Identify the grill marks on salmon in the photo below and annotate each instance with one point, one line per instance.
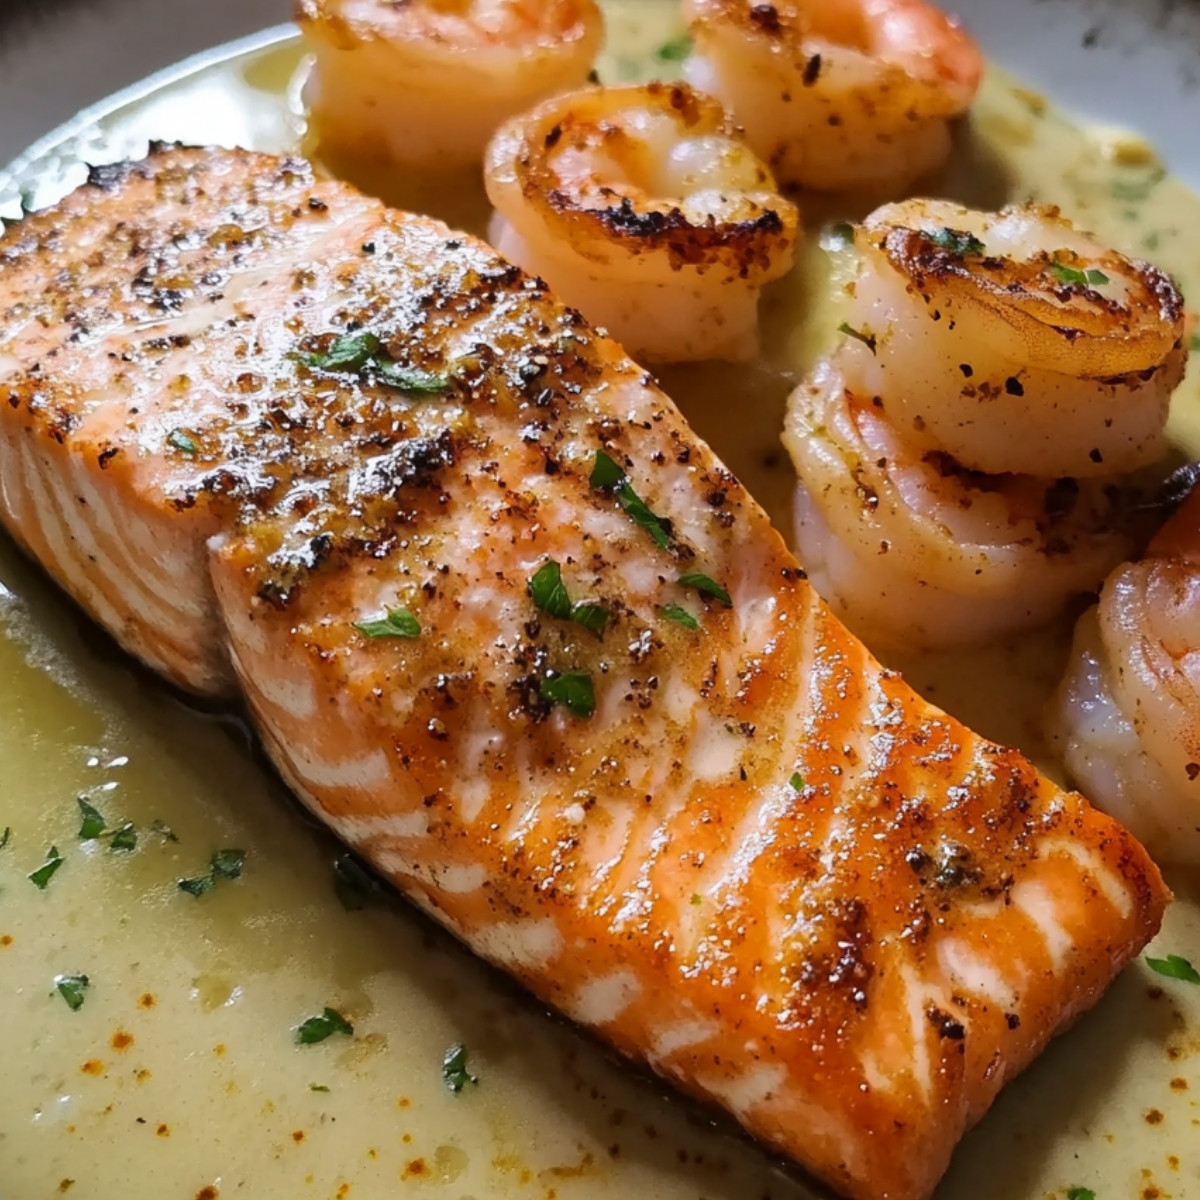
(763, 866)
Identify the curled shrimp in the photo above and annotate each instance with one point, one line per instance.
(911, 549)
(426, 82)
(1127, 714)
(1013, 341)
(644, 208)
(837, 94)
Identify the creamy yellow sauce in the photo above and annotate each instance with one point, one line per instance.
(178, 1076)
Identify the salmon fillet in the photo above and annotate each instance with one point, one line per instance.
(513, 631)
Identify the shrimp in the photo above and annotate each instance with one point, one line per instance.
(1013, 341)
(911, 549)
(1127, 714)
(644, 208)
(837, 94)
(425, 83)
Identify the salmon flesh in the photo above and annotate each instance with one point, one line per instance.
(512, 630)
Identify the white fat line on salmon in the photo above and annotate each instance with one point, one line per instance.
(1108, 884)
(529, 944)
(1035, 899)
(51, 522)
(603, 1001)
(970, 973)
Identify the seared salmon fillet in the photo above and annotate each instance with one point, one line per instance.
(513, 631)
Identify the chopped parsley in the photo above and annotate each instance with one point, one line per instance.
(797, 781)
(550, 594)
(6, 836)
(1193, 345)
(93, 823)
(958, 242)
(868, 339)
(1072, 276)
(183, 442)
(454, 1068)
(396, 622)
(592, 616)
(681, 616)
(676, 50)
(317, 1029)
(93, 827)
(1174, 967)
(697, 899)
(548, 590)
(605, 473)
(608, 477)
(709, 587)
(72, 988)
(363, 353)
(224, 864)
(353, 883)
(1080, 1193)
(124, 837)
(317, 1087)
(45, 872)
(574, 689)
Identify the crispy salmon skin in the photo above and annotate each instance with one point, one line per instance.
(514, 632)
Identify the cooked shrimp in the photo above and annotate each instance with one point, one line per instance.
(645, 209)
(1128, 712)
(837, 94)
(426, 82)
(910, 548)
(1012, 340)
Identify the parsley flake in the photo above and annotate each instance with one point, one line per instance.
(676, 50)
(868, 339)
(363, 353)
(396, 622)
(607, 476)
(550, 594)
(574, 689)
(317, 1087)
(317, 1029)
(6, 836)
(45, 872)
(697, 899)
(1080, 1193)
(1076, 278)
(72, 988)
(592, 616)
(454, 1068)
(1194, 343)
(681, 616)
(797, 781)
(709, 587)
(224, 864)
(183, 442)
(93, 825)
(958, 242)
(1174, 967)
(124, 837)
(548, 590)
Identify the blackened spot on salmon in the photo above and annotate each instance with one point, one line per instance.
(766, 17)
(947, 1027)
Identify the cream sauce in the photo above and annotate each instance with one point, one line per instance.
(178, 1076)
